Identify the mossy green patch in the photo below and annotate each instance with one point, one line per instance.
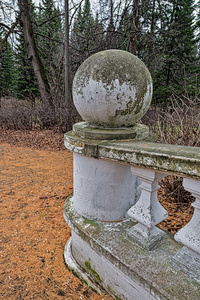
(92, 271)
(113, 294)
(93, 290)
(92, 223)
(70, 213)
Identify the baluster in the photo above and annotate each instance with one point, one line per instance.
(188, 258)
(147, 211)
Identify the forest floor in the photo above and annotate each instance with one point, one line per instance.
(36, 178)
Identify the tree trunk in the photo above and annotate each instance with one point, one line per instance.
(153, 19)
(67, 73)
(151, 51)
(33, 54)
(135, 25)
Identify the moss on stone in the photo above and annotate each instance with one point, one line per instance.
(112, 293)
(83, 134)
(92, 271)
(92, 223)
(67, 205)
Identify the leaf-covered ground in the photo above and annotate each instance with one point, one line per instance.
(36, 178)
(33, 187)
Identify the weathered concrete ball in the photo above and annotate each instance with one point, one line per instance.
(112, 88)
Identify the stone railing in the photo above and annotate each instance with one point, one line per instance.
(114, 209)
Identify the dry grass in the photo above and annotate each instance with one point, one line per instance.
(26, 115)
(178, 123)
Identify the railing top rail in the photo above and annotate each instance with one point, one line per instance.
(182, 160)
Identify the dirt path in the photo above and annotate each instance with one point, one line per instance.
(33, 187)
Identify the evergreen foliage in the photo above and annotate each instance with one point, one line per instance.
(49, 34)
(8, 72)
(177, 44)
(26, 82)
(87, 35)
(83, 30)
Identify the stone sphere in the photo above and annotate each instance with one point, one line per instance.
(112, 88)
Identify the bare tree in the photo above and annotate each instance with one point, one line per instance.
(134, 27)
(67, 73)
(25, 22)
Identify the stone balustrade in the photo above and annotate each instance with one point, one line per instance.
(114, 210)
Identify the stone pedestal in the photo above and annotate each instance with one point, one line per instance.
(188, 258)
(112, 90)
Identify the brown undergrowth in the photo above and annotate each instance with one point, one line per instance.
(36, 178)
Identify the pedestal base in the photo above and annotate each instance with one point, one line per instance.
(103, 253)
(145, 237)
(100, 271)
(188, 261)
(78, 270)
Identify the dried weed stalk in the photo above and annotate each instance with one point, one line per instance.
(179, 123)
(28, 115)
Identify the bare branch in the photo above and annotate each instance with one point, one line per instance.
(47, 37)
(49, 19)
(4, 25)
(10, 30)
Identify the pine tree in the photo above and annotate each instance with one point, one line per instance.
(76, 38)
(149, 34)
(87, 29)
(27, 87)
(99, 38)
(197, 27)
(7, 72)
(137, 29)
(177, 43)
(111, 36)
(84, 38)
(50, 38)
(124, 29)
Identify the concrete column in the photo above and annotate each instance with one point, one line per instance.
(103, 190)
(147, 211)
(189, 235)
(188, 258)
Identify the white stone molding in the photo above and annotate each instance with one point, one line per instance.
(188, 258)
(189, 235)
(148, 212)
(103, 190)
